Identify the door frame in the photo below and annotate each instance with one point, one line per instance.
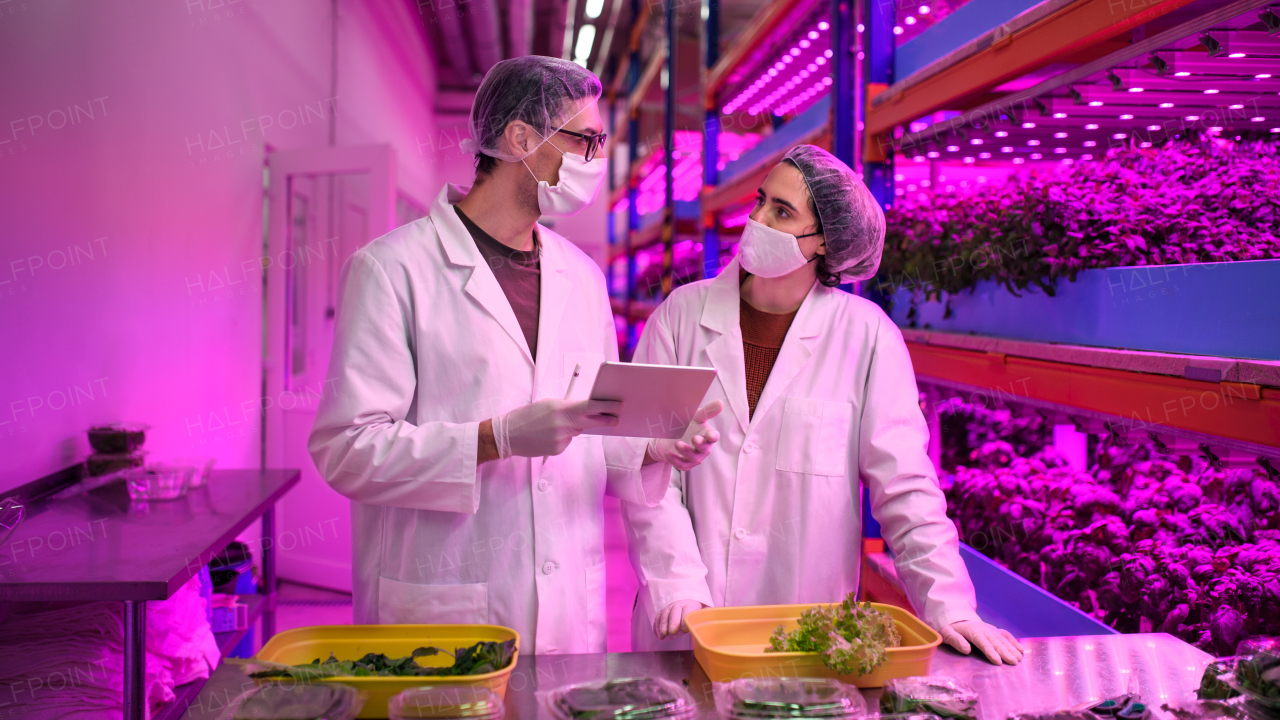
(376, 160)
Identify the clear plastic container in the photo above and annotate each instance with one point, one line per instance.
(621, 699)
(788, 697)
(446, 702)
(108, 463)
(201, 467)
(936, 694)
(158, 482)
(330, 701)
(1258, 671)
(117, 437)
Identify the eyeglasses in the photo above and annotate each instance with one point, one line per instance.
(594, 142)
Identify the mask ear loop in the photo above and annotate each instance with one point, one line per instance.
(815, 255)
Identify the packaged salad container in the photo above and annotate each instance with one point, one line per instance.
(446, 702)
(753, 698)
(621, 699)
(295, 702)
(942, 696)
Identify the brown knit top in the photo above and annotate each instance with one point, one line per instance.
(762, 336)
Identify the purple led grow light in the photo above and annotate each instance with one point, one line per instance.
(806, 46)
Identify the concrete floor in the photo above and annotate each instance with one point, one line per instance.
(302, 605)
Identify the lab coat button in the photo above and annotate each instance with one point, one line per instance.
(548, 567)
(544, 485)
(740, 533)
(748, 448)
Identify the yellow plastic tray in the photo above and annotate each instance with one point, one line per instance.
(351, 642)
(730, 643)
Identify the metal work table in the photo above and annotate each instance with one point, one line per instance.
(1059, 672)
(102, 546)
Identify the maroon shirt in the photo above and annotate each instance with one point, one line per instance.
(519, 276)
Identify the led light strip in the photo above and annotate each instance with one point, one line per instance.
(778, 66)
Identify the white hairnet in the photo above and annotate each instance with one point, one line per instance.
(544, 92)
(852, 221)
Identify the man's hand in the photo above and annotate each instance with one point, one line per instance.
(995, 643)
(546, 427)
(694, 446)
(670, 622)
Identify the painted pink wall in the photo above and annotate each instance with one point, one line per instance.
(126, 232)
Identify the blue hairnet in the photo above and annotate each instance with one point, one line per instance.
(852, 221)
(544, 92)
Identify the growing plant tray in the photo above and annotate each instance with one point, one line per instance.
(729, 643)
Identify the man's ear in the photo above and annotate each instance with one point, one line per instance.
(519, 137)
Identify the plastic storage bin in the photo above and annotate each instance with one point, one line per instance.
(729, 643)
(349, 642)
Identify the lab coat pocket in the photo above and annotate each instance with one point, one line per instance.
(815, 436)
(597, 630)
(586, 377)
(401, 603)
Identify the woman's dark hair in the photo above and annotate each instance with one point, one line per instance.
(825, 276)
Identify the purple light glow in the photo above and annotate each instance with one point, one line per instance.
(813, 34)
(824, 25)
(1095, 103)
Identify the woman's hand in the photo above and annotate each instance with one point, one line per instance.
(670, 622)
(998, 645)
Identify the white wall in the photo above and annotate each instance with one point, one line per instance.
(124, 228)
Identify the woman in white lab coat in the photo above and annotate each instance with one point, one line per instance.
(773, 515)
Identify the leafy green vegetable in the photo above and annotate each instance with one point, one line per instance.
(483, 657)
(851, 637)
(1211, 685)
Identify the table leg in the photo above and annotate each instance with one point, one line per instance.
(269, 573)
(135, 659)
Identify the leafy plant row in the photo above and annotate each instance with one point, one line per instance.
(1140, 541)
(1185, 202)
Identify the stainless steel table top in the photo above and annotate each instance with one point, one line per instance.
(101, 546)
(1059, 672)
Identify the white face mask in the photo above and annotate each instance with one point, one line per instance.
(580, 183)
(769, 253)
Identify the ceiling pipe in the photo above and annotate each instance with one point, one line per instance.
(520, 27)
(486, 34)
(455, 45)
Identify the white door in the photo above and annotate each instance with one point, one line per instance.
(323, 205)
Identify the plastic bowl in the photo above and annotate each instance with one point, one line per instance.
(201, 467)
(158, 482)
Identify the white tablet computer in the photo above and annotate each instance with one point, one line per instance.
(658, 401)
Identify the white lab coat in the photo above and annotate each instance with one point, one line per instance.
(773, 515)
(426, 347)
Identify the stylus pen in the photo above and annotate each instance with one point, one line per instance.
(569, 390)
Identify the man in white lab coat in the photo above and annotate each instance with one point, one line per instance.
(475, 497)
(821, 395)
